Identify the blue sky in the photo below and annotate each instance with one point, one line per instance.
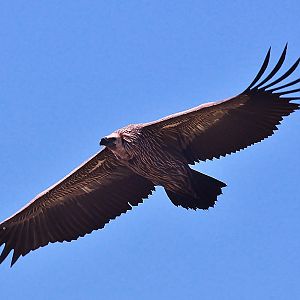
(74, 71)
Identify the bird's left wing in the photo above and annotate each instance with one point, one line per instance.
(89, 197)
(215, 129)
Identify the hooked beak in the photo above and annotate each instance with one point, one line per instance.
(107, 141)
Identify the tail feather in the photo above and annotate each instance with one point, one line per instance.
(206, 191)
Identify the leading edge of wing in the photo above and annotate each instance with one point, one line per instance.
(256, 86)
(59, 183)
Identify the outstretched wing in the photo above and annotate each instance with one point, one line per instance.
(88, 198)
(215, 129)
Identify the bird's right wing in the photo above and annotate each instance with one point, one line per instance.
(89, 197)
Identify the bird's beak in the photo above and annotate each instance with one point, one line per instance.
(106, 141)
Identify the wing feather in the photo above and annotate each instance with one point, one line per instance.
(216, 129)
(262, 70)
(275, 69)
(89, 197)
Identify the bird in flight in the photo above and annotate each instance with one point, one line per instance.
(139, 157)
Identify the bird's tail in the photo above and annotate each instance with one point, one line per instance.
(206, 191)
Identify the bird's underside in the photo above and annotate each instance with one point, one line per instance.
(138, 157)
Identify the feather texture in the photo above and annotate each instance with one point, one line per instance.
(84, 201)
(216, 129)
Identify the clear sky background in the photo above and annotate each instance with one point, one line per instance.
(74, 71)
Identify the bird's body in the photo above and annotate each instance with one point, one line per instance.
(151, 159)
(139, 157)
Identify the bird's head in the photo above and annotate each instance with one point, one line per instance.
(121, 142)
(111, 141)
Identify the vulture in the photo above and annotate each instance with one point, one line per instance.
(138, 157)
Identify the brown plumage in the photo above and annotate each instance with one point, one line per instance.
(138, 157)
